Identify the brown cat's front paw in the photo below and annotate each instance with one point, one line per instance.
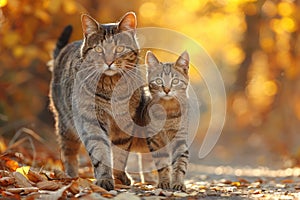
(107, 184)
(178, 186)
(164, 185)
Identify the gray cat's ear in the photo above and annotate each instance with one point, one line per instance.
(151, 60)
(183, 62)
(89, 25)
(128, 22)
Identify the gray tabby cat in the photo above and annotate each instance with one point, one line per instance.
(84, 76)
(168, 84)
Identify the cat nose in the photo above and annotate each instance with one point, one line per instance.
(109, 63)
(167, 90)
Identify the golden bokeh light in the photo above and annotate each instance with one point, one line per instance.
(3, 3)
(148, 10)
(288, 24)
(285, 8)
(234, 55)
(269, 8)
(269, 88)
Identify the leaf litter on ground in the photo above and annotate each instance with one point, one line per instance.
(22, 178)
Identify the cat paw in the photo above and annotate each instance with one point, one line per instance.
(165, 185)
(178, 186)
(125, 179)
(107, 184)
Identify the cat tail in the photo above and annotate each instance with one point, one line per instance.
(60, 44)
(62, 40)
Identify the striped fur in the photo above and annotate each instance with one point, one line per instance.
(168, 84)
(84, 77)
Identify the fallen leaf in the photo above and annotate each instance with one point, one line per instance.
(35, 177)
(55, 195)
(21, 181)
(237, 184)
(126, 196)
(74, 188)
(287, 181)
(48, 185)
(25, 190)
(121, 186)
(96, 188)
(180, 194)
(5, 181)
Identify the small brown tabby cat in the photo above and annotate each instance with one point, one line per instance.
(84, 76)
(168, 84)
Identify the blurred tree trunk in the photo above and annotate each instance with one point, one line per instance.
(250, 42)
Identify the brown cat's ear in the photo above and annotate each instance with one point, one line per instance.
(128, 22)
(89, 25)
(151, 60)
(183, 62)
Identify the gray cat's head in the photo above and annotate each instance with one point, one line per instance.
(167, 80)
(112, 47)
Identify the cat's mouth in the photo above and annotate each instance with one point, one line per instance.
(167, 97)
(110, 72)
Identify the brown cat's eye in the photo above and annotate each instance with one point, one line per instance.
(98, 49)
(175, 81)
(120, 49)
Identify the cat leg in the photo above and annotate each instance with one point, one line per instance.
(179, 164)
(97, 144)
(146, 169)
(70, 145)
(121, 146)
(161, 157)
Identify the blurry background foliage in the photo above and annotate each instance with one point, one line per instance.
(255, 44)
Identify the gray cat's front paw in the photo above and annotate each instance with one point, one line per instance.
(178, 186)
(164, 185)
(107, 184)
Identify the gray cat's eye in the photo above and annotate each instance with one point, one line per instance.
(159, 81)
(120, 49)
(175, 81)
(98, 49)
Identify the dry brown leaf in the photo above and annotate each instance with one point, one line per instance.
(48, 185)
(55, 195)
(21, 180)
(4, 173)
(287, 181)
(5, 181)
(84, 183)
(121, 186)
(108, 195)
(59, 174)
(98, 189)
(242, 180)
(35, 177)
(74, 187)
(25, 190)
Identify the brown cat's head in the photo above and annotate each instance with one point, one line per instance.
(168, 80)
(111, 47)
